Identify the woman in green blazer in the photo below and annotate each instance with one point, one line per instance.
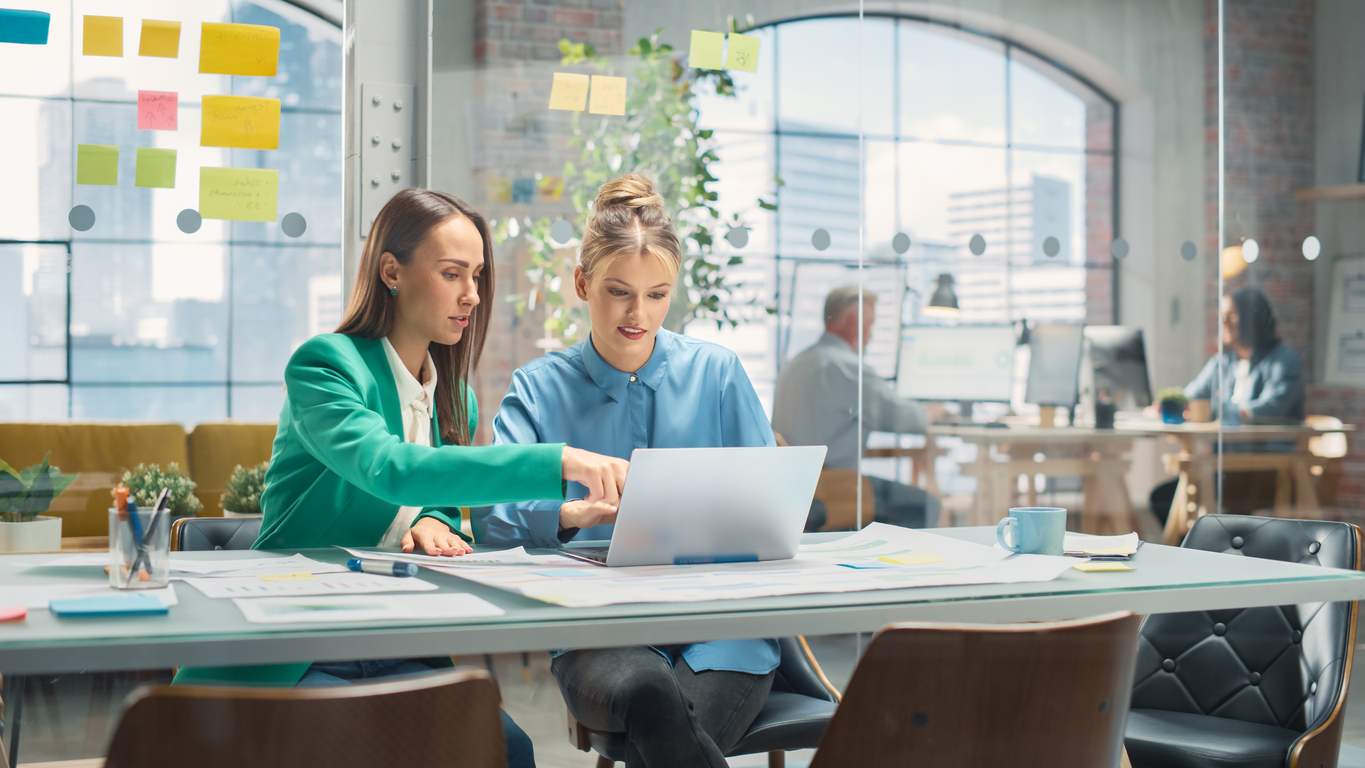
(374, 442)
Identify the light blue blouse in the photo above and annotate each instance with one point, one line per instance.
(691, 394)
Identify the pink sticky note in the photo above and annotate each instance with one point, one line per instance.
(156, 110)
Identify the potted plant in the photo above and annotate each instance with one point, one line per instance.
(145, 482)
(24, 496)
(242, 496)
(1173, 402)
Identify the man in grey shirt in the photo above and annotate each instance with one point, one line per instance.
(816, 403)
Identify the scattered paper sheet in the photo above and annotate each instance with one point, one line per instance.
(569, 91)
(238, 194)
(348, 583)
(97, 164)
(160, 39)
(103, 36)
(37, 596)
(24, 27)
(335, 608)
(182, 567)
(608, 95)
(743, 53)
(155, 167)
(157, 110)
(707, 50)
(1085, 544)
(239, 49)
(241, 122)
(518, 556)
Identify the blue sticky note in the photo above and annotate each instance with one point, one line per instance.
(24, 27)
(114, 605)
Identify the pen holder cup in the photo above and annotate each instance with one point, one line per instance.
(135, 564)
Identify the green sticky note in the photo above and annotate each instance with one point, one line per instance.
(97, 164)
(238, 194)
(743, 53)
(707, 48)
(155, 167)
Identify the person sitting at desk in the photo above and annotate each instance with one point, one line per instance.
(634, 385)
(1262, 379)
(816, 403)
(373, 447)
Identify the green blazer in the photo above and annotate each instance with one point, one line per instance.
(340, 469)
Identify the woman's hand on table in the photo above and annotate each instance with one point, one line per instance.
(603, 476)
(585, 514)
(433, 537)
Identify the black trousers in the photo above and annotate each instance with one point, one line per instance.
(1243, 493)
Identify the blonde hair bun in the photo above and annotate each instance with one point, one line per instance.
(632, 190)
(628, 218)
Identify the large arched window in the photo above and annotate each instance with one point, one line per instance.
(962, 134)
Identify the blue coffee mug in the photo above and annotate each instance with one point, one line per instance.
(1033, 530)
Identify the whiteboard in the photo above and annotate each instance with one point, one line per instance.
(1346, 323)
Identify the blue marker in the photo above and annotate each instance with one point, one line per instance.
(382, 567)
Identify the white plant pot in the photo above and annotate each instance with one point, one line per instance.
(41, 534)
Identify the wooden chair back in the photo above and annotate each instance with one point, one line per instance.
(1041, 695)
(352, 726)
(838, 490)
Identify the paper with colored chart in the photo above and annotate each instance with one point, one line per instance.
(348, 583)
(742, 53)
(37, 596)
(239, 49)
(155, 168)
(569, 91)
(160, 39)
(707, 50)
(102, 36)
(608, 95)
(97, 164)
(240, 122)
(343, 608)
(24, 27)
(238, 194)
(158, 110)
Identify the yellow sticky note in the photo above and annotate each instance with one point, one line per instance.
(299, 576)
(155, 168)
(499, 190)
(608, 95)
(1100, 567)
(244, 122)
(159, 38)
(707, 50)
(239, 49)
(912, 559)
(97, 164)
(238, 194)
(103, 36)
(569, 91)
(743, 53)
(1111, 551)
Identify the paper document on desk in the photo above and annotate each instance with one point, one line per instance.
(183, 567)
(348, 583)
(37, 596)
(1106, 547)
(337, 608)
(518, 556)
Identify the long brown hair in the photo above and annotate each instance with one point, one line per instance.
(400, 228)
(627, 219)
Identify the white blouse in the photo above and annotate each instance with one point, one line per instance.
(418, 401)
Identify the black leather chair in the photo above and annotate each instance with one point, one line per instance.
(799, 707)
(195, 534)
(1253, 687)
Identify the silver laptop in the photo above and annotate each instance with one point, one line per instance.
(711, 505)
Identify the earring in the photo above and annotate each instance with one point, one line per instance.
(393, 291)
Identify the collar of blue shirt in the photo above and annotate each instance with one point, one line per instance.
(614, 382)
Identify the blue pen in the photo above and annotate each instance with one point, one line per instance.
(382, 567)
(136, 521)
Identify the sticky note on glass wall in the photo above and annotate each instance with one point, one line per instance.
(238, 194)
(243, 122)
(157, 110)
(707, 50)
(97, 164)
(743, 53)
(499, 190)
(103, 36)
(155, 168)
(569, 91)
(24, 27)
(239, 49)
(608, 95)
(160, 38)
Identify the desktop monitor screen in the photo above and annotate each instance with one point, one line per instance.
(1117, 365)
(1054, 365)
(968, 363)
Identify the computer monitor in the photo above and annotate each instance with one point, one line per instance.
(1116, 363)
(968, 363)
(1054, 364)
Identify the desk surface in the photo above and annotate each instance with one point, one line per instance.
(1127, 430)
(201, 631)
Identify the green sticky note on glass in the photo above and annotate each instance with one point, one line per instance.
(743, 53)
(155, 167)
(97, 164)
(24, 27)
(707, 50)
(238, 194)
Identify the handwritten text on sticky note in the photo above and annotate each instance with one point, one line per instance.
(103, 36)
(24, 27)
(157, 110)
(159, 38)
(707, 49)
(238, 194)
(97, 164)
(244, 122)
(239, 49)
(155, 168)
(608, 95)
(569, 91)
(743, 53)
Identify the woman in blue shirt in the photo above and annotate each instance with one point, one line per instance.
(634, 385)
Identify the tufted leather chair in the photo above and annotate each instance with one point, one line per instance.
(1251, 687)
(194, 534)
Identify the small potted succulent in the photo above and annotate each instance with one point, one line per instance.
(145, 482)
(1173, 402)
(24, 496)
(242, 496)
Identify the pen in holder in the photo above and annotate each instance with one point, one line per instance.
(139, 547)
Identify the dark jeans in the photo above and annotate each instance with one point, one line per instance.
(1243, 493)
(324, 674)
(671, 715)
(894, 503)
